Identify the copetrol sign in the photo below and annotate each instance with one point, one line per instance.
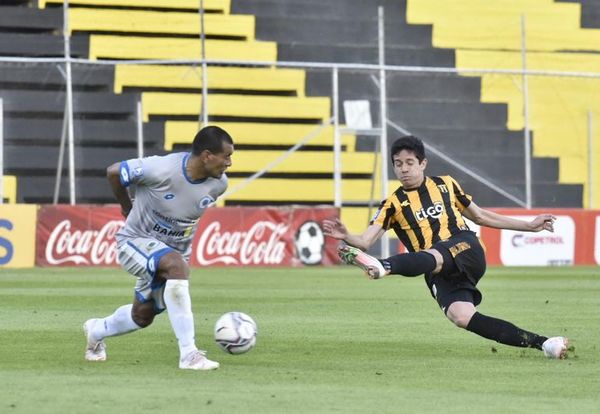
(539, 249)
(17, 235)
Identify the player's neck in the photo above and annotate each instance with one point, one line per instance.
(414, 187)
(195, 169)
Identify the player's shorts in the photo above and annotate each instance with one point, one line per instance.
(140, 257)
(464, 264)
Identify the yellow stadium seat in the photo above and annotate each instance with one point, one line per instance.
(249, 133)
(9, 184)
(142, 21)
(475, 24)
(299, 190)
(233, 78)
(221, 6)
(301, 162)
(285, 107)
(132, 47)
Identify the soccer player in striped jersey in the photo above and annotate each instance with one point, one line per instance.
(427, 213)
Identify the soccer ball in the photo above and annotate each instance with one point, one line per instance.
(235, 332)
(309, 243)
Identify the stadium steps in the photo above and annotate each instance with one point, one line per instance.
(312, 109)
(158, 22)
(260, 134)
(156, 77)
(9, 188)
(558, 105)
(472, 24)
(140, 47)
(210, 6)
(488, 35)
(590, 13)
(87, 133)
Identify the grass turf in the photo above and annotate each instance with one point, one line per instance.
(329, 341)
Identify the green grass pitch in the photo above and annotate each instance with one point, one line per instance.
(329, 341)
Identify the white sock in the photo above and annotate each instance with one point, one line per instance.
(119, 323)
(179, 307)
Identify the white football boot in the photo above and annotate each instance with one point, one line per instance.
(354, 256)
(197, 360)
(94, 350)
(556, 347)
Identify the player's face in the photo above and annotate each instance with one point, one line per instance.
(408, 169)
(217, 163)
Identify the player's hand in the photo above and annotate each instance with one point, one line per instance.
(334, 228)
(543, 222)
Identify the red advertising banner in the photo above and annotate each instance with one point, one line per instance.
(249, 236)
(84, 235)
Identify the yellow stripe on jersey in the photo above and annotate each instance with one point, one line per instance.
(425, 215)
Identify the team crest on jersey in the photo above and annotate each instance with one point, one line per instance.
(138, 172)
(206, 201)
(442, 188)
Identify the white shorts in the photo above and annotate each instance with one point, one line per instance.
(140, 257)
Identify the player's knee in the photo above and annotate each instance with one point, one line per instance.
(459, 315)
(172, 266)
(460, 321)
(142, 320)
(143, 316)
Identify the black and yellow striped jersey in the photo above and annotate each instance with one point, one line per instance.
(425, 215)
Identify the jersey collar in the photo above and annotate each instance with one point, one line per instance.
(185, 174)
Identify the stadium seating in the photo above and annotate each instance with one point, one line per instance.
(488, 36)
(260, 134)
(266, 109)
(215, 6)
(284, 81)
(140, 21)
(9, 184)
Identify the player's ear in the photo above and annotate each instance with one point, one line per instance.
(424, 163)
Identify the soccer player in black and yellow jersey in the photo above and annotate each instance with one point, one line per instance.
(427, 215)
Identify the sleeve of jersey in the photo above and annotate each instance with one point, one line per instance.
(385, 215)
(132, 171)
(463, 200)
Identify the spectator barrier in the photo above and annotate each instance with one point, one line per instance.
(83, 235)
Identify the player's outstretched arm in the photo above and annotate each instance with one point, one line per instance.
(336, 229)
(120, 192)
(488, 218)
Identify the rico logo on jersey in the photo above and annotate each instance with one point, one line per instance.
(435, 211)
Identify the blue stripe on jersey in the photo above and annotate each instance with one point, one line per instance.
(138, 250)
(124, 174)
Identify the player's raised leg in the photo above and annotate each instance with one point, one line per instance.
(179, 308)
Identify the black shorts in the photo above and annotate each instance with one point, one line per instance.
(464, 265)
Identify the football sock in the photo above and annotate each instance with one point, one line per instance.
(179, 308)
(119, 323)
(503, 332)
(410, 264)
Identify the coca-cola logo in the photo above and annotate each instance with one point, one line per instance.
(259, 245)
(83, 247)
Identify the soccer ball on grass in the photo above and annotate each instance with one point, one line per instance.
(235, 332)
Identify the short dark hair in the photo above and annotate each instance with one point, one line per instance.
(210, 138)
(409, 143)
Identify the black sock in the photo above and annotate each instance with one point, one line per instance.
(504, 332)
(410, 264)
